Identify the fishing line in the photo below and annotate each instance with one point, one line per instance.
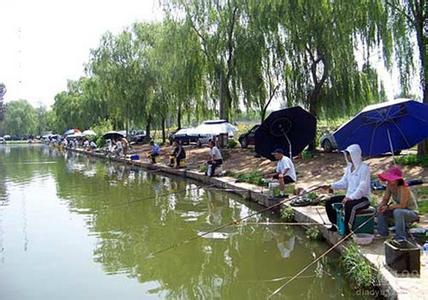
(234, 222)
(319, 258)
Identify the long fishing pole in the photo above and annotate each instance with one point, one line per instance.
(234, 222)
(283, 223)
(319, 258)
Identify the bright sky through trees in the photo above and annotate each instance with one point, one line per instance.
(45, 42)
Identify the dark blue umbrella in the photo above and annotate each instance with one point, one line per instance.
(290, 129)
(386, 127)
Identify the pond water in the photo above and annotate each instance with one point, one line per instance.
(74, 227)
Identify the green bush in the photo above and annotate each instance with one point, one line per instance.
(313, 233)
(360, 272)
(100, 141)
(287, 213)
(203, 168)
(253, 177)
(413, 160)
(231, 144)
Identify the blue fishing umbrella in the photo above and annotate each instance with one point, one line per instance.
(290, 129)
(386, 127)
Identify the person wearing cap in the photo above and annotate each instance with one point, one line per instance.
(285, 171)
(356, 182)
(404, 207)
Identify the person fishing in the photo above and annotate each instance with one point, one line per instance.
(154, 152)
(404, 209)
(285, 172)
(216, 159)
(177, 155)
(125, 145)
(356, 182)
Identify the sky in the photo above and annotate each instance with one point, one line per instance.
(45, 42)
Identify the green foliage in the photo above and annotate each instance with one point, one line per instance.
(313, 233)
(231, 144)
(413, 160)
(423, 207)
(360, 272)
(20, 118)
(253, 177)
(287, 213)
(203, 168)
(210, 59)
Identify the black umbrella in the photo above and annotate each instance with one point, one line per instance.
(290, 129)
(113, 135)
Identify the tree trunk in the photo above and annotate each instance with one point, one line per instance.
(148, 126)
(422, 45)
(262, 115)
(313, 109)
(163, 131)
(179, 117)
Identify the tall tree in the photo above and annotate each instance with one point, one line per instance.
(216, 24)
(19, 118)
(411, 16)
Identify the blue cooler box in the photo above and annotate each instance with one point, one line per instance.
(362, 216)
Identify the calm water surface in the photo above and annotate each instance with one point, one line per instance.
(72, 227)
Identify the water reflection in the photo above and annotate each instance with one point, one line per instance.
(129, 214)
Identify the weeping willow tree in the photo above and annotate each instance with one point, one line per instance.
(177, 65)
(410, 17)
(216, 24)
(121, 64)
(2, 93)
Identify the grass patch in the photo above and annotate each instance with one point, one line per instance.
(413, 160)
(253, 177)
(313, 233)
(231, 144)
(287, 214)
(359, 271)
(423, 207)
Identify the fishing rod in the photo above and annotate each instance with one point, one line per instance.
(283, 223)
(319, 258)
(233, 222)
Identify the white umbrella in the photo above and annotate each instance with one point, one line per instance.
(216, 127)
(89, 132)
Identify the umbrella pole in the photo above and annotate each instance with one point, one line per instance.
(390, 145)
(289, 143)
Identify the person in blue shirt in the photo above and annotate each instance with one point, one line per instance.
(155, 151)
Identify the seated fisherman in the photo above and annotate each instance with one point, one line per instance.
(404, 207)
(356, 182)
(86, 145)
(285, 172)
(177, 155)
(125, 145)
(154, 152)
(215, 160)
(118, 150)
(92, 145)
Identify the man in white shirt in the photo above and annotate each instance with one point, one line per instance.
(119, 148)
(285, 171)
(216, 159)
(356, 182)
